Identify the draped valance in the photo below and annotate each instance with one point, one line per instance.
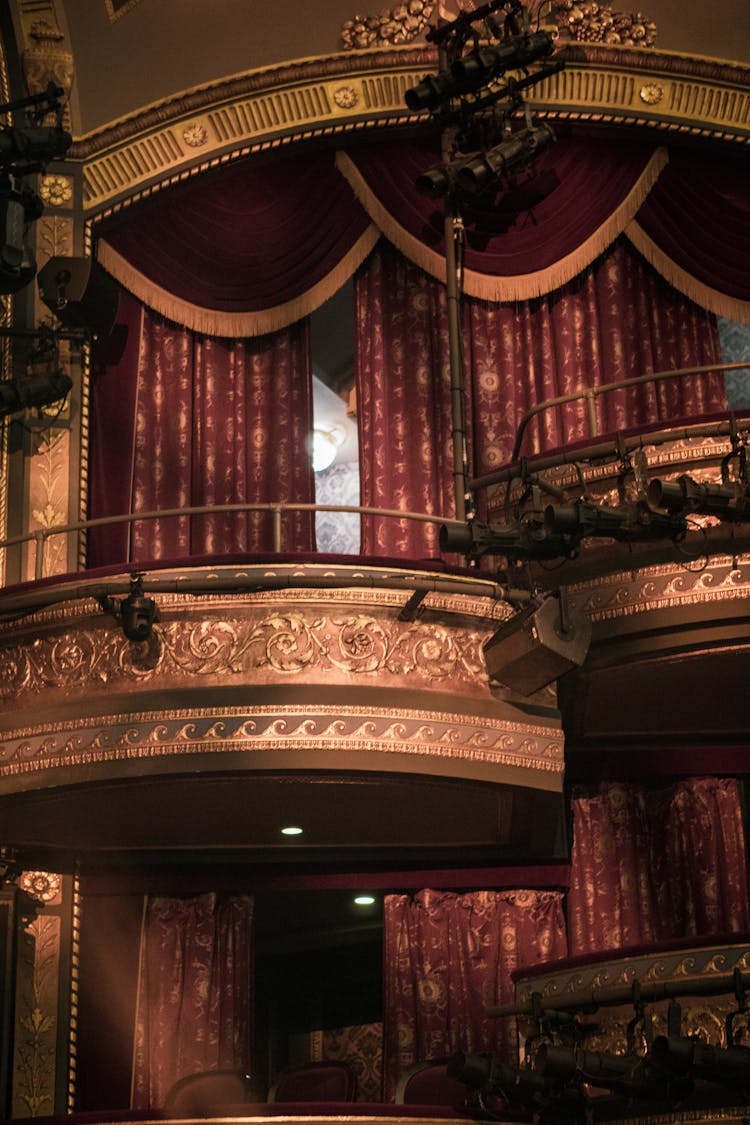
(532, 239)
(253, 247)
(244, 251)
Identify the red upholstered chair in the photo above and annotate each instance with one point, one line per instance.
(428, 1083)
(325, 1081)
(198, 1094)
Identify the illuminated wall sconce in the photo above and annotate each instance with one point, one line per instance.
(325, 446)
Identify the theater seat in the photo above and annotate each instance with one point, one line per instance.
(428, 1083)
(325, 1081)
(197, 1094)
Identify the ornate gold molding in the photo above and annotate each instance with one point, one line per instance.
(248, 646)
(430, 736)
(342, 95)
(46, 55)
(703, 1016)
(623, 595)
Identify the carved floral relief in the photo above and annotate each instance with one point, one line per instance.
(264, 647)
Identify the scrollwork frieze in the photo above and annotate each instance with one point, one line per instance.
(473, 739)
(278, 644)
(664, 587)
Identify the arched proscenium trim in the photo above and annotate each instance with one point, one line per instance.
(339, 96)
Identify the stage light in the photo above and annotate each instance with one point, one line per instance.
(729, 1066)
(728, 501)
(438, 181)
(625, 524)
(136, 613)
(538, 645)
(430, 92)
(480, 172)
(478, 538)
(19, 208)
(521, 1086)
(33, 145)
(36, 390)
(472, 71)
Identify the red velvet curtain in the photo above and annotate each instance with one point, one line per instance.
(618, 319)
(213, 422)
(650, 866)
(195, 992)
(246, 238)
(403, 403)
(447, 958)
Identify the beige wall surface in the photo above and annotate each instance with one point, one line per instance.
(156, 48)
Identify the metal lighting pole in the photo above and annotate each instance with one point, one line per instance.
(453, 235)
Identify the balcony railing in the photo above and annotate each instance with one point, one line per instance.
(589, 397)
(41, 535)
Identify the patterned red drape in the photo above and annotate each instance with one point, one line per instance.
(618, 319)
(650, 866)
(447, 958)
(216, 422)
(194, 994)
(403, 403)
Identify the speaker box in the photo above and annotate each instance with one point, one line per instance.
(531, 649)
(79, 293)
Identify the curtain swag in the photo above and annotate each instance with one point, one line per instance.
(213, 322)
(259, 246)
(506, 287)
(720, 304)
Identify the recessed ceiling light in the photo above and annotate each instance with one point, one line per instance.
(364, 900)
(291, 830)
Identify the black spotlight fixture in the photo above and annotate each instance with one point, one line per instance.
(480, 172)
(19, 208)
(626, 524)
(728, 501)
(136, 612)
(41, 388)
(478, 68)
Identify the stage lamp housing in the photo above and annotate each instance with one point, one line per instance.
(478, 68)
(137, 612)
(479, 173)
(730, 501)
(36, 390)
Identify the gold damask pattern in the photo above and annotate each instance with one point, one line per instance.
(278, 644)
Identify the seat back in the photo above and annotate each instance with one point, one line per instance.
(429, 1083)
(325, 1081)
(198, 1094)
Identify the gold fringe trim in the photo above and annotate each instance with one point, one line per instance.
(519, 287)
(721, 304)
(212, 322)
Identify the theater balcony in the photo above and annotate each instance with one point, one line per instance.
(374, 554)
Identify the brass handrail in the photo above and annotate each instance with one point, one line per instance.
(590, 394)
(42, 534)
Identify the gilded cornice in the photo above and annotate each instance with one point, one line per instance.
(347, 94)
(685, 970)
(216, 643)
(432, 741)
(320, 672)
(721, 579)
